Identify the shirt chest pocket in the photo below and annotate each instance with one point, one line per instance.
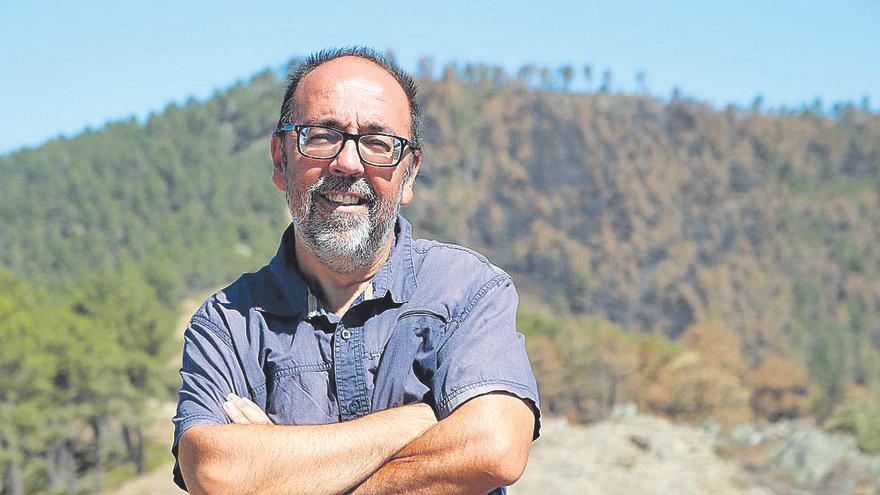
(301, 395)
(407, 365)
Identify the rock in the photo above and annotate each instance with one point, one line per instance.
(637, 455)
(813, 457)
(641, 442)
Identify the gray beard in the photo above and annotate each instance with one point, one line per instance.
(344, 242)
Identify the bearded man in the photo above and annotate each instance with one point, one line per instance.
(359, 360)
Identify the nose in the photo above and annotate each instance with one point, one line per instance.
(347, 162)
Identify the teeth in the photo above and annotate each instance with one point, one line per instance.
(344, 199)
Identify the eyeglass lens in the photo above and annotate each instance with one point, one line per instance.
(377, 149)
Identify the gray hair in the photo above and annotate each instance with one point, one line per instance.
(315, 60)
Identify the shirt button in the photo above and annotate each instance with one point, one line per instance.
(353, 407)
(345, 334)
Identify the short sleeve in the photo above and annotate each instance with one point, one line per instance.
(482, 352)
(210, 371)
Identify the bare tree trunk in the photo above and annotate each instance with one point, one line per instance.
(128, 441)
(14, 482)
(134, 446)
(140, 461)
(53, 468)
(68, 467)
(611, 400)
(99, 454)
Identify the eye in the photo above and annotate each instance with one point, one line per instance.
(378, 143)
(320, 136)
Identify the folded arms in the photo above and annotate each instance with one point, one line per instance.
(483, 444)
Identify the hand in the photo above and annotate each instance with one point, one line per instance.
(243, 411)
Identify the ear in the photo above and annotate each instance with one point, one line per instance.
(410, 182)
(276, 148)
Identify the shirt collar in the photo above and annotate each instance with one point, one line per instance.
(286, 292)
(289, 293)
(397, 277)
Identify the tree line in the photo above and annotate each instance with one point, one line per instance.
(638, 229)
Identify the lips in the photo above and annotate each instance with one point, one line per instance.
(344, 199)
(343, 193)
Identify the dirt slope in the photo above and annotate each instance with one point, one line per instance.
(639, 455)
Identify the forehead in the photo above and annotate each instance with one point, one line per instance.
(355, 92)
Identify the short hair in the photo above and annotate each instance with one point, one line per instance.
(297, 73)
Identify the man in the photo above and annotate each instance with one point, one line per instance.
(359, 359)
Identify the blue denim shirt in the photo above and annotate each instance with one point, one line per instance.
(440, 328)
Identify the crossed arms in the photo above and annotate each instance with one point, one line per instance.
(482, 445)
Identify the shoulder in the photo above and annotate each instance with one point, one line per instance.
(460, 262)
(455, 276)
(226, 311)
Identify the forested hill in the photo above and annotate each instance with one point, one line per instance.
(654, 215)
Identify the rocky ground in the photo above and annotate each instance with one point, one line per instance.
(636, 455)
(641, 454)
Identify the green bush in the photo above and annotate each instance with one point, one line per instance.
(859, 419)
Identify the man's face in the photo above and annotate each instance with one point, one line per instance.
(344, 211)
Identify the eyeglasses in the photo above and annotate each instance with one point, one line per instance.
(325, 143)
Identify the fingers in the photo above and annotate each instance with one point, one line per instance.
(252, 412)
(244, 412)
(234, 414)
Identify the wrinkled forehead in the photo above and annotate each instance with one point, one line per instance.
(352, 85)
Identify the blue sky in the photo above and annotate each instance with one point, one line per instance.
(71, 65)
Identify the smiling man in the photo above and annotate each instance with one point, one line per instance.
(359, 360)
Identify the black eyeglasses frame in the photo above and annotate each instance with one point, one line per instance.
(297, 128)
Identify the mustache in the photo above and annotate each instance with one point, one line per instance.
(357, 185)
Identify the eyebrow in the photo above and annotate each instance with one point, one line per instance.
(331, 122)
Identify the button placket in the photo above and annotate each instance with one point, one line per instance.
(342, 373)
(348, 372)
(361, 406)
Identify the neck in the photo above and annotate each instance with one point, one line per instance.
(339, 290)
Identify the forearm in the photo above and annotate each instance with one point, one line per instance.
(430, 465)
(295, 459)
(482, 446)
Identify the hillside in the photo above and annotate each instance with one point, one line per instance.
(700, 263)
(647, 455)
